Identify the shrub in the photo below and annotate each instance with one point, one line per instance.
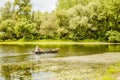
(113, 36)
(2, 35)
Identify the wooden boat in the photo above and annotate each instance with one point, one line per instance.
(47, 51)
(52, 51)
(40, 51)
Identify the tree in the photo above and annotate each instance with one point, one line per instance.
(63, 22)
(2, 36)
(49, 26)
(67, 4)
(37, 18)
(79, 26)
(113, 14)
(7, 27)
(25, 29)
(23, 8)
(6, 12)
(113, 36)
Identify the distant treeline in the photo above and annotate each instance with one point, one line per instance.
(72, 20)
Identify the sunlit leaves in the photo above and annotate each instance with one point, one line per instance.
(2, 35)
(24, 28)
(49, 26)
(7, 27)
(113, 36)
(23, 8)
(72, 19)
(67, 4)
(6, 12)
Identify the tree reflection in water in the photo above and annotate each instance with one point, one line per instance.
(24, 72)
(12, 72)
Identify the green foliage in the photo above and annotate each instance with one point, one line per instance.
(107, 78)
(91, 21)
(72, 19)
(6, 11)
(7, 27)
(25, 29)
(79, 23)
(67, 4)
(37, 18)
(113, 36)
(23, 8)
(112, 72)
(2, 35)
(63, 22)
(49, 26)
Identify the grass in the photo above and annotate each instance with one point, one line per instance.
(50, 41)
(112, 73)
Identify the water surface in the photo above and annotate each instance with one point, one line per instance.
(20, 63)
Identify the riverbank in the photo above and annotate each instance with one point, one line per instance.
(56, 42)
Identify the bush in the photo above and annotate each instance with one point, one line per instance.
(2, 36)
(113, 36)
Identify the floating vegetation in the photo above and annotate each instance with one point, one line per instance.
(54, 70)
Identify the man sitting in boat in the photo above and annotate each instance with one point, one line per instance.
(40, 51)
(37, 50)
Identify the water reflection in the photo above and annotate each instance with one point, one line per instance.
(17, 53)
(9, 72)
(51, 71)
(78, 50)
(24, 72)
(114, 48)
(43, 76)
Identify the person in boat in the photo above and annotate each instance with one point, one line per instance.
(40, 51)
(37, 50)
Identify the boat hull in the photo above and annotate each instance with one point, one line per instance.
(47, 51)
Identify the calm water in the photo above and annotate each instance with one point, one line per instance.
(11, 54)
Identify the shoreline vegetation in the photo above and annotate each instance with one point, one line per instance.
(55, 42)
(88, 19)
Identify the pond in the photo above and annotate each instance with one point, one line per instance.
(18, 62)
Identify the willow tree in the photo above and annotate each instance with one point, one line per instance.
(49, 26)
(63, 22)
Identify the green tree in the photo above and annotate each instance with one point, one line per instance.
(49, 26)
(2, 36)
(79, 26)
(6, 12)
(7, 26)
(67, 4)
(23, 8)
(25, 29)
(113, 36)
(63, 22)
(37, 18)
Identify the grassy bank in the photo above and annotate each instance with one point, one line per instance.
(54, 42)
